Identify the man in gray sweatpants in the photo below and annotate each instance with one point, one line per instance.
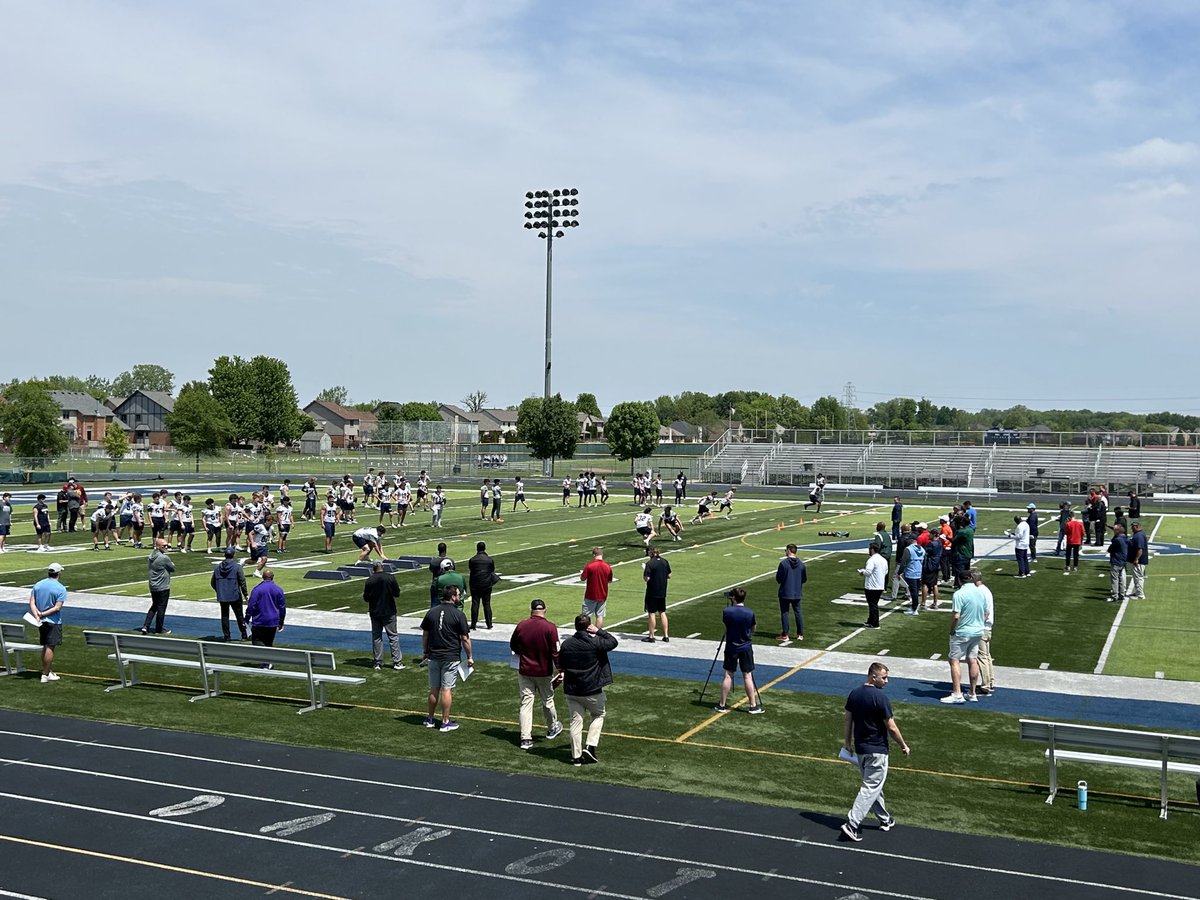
(869, 721)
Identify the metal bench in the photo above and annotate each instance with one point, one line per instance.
(12, 644)
(1164, 753)
(213, 658)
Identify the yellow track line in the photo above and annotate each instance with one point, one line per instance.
(788, 674)
(271, 888)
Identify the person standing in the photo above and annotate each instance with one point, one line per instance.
(1134, 506)
(41, 524)
(259, 541)
(1139, 555)
(679, 489)
(874, 579)
(497, 501)
(60, 505)
(519, 495)
(6, 511)
(597, 576)
(435, 572)
(898, 574)
(1064, 516)
(46, 601)
(967, 618)
(266, 610)
(1031, 519)
(897, 518)
(868, 723)
(379, 593)
(790, 575)
(656, 575)
(159, 567)
(583, 661)
(962, 550)
(450, 577)
(881, 540)
(1100, 527)
(1073, 533)
(1118, 556)
(1020, 536)
(739, 623)
(987, 675)
(482, 577)
(910, 566)
(229, 582)
(535, 644)
(444, 637)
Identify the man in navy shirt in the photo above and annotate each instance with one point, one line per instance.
(739, 652)
(1139, 555)
(897, 517)
(869, 721)
(1118, 555)
(1032, 521)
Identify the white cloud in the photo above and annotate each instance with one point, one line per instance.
(1158, 153)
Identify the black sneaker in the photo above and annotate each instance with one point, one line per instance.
(888, 825)
(756, 710)
(666, 640)
(647, 640)
(721, 707)
(851, 832)
(577, 761)
(590, 755)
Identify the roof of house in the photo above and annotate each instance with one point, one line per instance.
(162, 398)
(363, 417)
(313, 436)
(452, 410)
(80, 402)
(503, 416)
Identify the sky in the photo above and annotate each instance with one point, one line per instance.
(980, 203)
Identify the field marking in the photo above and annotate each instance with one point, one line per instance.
(788, 674)
(607, 814)
(133, 860)
(1157, 525)
(1110, 640)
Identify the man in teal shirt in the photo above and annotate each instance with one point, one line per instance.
(967, 619)
(45, 603)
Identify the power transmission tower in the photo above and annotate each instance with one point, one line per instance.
(849, 396)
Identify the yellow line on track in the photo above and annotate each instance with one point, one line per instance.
(788, 674)
(271, 888)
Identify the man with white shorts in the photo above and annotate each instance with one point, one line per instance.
(968, 619)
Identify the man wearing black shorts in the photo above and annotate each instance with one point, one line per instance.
(656, 575)
(739, 652)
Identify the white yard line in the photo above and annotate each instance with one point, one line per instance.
(1157, 525)
(1112, 636)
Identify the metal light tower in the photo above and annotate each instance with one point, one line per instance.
(549, 212)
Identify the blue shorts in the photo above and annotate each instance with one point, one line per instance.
(5, 530)
(739, 658)
(126, 521)
(256, 553)
(329, 526)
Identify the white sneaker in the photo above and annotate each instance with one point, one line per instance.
(954, 698)
(50, 677)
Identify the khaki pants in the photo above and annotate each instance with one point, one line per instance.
(985, 660)
(1139, 580)
(529, 687)
(594, 706)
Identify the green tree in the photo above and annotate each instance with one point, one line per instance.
(587, 403)
(143, 377)
(828, 413)
(387, 411)
(116, 444)
(418, 412)
(549, 427)
(258, 397)
(30, 422)
(632, 431)
(199, 425)
(475, 401)
(336, 394)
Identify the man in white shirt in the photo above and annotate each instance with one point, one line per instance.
(1020, 536)
(874, 579)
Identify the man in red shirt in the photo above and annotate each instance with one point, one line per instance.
(1073, 532)
(535, 643)
(598, 575)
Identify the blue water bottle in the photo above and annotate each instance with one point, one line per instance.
(1082, 795)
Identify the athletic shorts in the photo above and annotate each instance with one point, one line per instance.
(735, 659)
(963, 647)
(484, 501)
(285, 530)
(595, 608)
(158, 524)
(344, 505)
(929, 577)
(189, 527)
(39, 530)
(213, 531)
(368, 490)
(50, 634)
(520, 498)
(385, 507)
(645, 532)
(126, 521)
(566, 492)
(360, 543)
(5, 530)
(656, 604)
(329, 526)
(421, 494)
(443, 674)
(176, 526)
(256, 553)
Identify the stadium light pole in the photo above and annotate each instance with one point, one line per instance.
(549, 212)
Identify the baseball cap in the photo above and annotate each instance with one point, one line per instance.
(229, 551)
(537, 604)
(447, 565)
(943, 518)
(923, 526)
(54, 568)
(1032, 506)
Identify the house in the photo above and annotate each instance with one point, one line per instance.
(690, 432)
(145, 412)
(346, 427)
(668, 435)
(505, 424)
(315, 443)
(84, 418)
(1035, 434)
(591, 428)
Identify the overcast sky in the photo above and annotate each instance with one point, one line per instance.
(980, 203)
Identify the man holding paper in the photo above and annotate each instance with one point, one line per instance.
(869, 721)
(45, 609)
(444, 635)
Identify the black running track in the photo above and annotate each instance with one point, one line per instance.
(95, 810)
